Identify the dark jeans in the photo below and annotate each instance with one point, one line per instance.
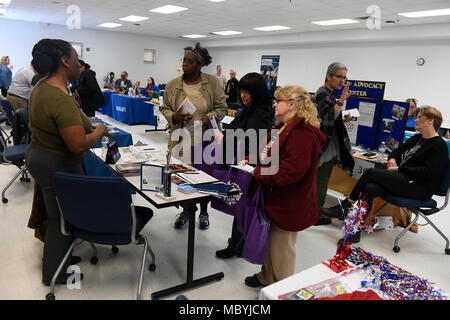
(378, 182)
(237, 240)
(42, 165)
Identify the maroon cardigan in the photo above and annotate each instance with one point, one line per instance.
(290, 194)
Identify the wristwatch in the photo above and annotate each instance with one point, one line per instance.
(339, 103)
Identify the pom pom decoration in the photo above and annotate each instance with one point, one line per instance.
(353, 222)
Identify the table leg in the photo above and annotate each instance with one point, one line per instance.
(190, 282)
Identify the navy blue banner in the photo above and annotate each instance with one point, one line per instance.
(364, 89)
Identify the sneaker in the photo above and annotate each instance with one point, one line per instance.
(182, 218)
(203, 221)
(253, 281)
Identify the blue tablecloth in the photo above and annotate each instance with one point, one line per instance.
(107, 109)
(92, 166)
(131, 110)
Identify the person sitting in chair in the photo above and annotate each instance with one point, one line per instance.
(414, 170)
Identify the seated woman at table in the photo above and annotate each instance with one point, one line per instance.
(257, 114)
(208, 97)
(62, 133)
(414, 170)
(150, 88)
(290, 192)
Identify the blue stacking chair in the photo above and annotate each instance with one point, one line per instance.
(421, 208)
(13, 155)
(99, 210)
(8, 115)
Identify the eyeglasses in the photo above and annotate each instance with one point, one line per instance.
(281, 100)
(341, 77)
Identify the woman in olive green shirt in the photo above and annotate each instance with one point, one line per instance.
(208, 97)
(61, 135)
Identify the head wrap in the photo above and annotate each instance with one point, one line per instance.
(198, 55)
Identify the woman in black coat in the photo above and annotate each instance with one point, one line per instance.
(257, 114)
(89, 91)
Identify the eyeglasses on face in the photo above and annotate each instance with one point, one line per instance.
(281, 100)
(341, 77)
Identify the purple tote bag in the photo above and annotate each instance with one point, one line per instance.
(255, 225)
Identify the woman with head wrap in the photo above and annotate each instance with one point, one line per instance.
(206, 94)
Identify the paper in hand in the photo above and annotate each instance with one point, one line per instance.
(351, 112)
(187, 107)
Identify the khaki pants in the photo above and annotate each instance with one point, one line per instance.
(280, 257)
(17, 102)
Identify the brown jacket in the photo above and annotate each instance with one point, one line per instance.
(211, 90)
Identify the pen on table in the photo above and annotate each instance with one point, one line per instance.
(149, 149)
(190, 172)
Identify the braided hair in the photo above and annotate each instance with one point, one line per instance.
(201, 54)
(47, 54)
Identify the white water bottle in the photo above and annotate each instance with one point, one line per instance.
(105, 141)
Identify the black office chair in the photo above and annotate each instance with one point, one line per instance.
(421, 208)
(13, 155)
(102, 212)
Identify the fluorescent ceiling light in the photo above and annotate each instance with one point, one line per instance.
(168, 9)
(109, 25)
(427, 13)
(193, 36)
(335, 22)
(5, 2)
(216, 0)
(133, 18)
(272, 28)
(226, 33)
(2, 11)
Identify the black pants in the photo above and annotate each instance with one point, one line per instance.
(4, 91)
(237, 240)
(42, 165)
(378, 182)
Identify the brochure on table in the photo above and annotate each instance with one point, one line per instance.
(152, 176)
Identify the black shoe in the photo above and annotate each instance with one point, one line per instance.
(336, 211)
(226, 253)
(253, 281)
(353, 238)
(74, 260)
(323, 220)
(181, 220)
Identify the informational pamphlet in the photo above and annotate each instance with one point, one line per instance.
(151, 177)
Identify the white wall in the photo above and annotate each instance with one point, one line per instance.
(392, 61)
(110, 51)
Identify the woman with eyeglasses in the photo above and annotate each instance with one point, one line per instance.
(257, 113)
(337, 148)
(290, 191)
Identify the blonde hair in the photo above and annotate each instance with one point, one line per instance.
(304, 107)
(431, 113)
(3, 61)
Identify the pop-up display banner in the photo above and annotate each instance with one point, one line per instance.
(392, 124)
(365, 89)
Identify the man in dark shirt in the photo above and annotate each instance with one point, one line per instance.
(232, 88)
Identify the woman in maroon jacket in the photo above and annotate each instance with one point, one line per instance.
(290, 192)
